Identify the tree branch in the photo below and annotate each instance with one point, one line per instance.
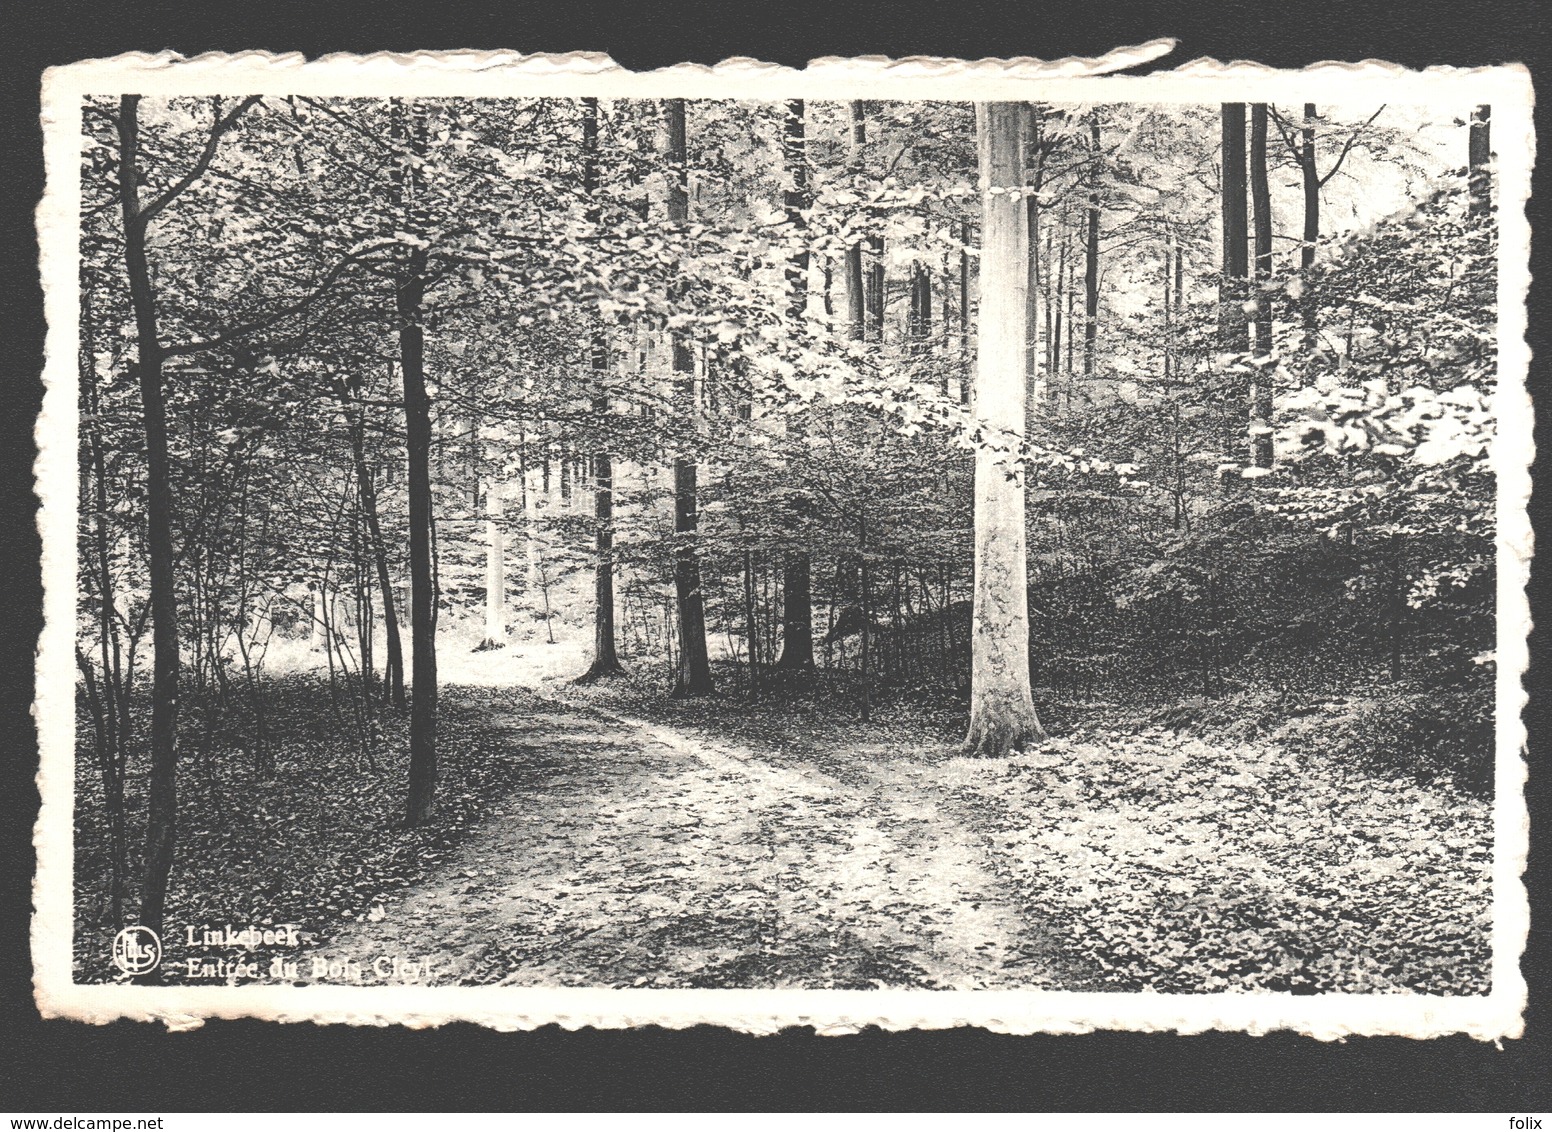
(1282, 129)
(1347, 148)
(222, 125)
(275, 316)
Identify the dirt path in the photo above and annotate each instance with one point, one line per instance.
(638, 856)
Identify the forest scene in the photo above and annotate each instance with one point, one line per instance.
(816, 544)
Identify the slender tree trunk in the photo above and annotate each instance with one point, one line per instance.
(1072, 330)
(531, 552)
(751, 624)
(856, 288)
(1091, 263)
(964, 312)
(1002, 711)
(1169, 314)
(317, 640)
(1035, 156)
(1311, 179)
(1048, 289)
(1480, 153)
(1062, 297)
(1260, 191)
(409, 295)
(875, 289)
(495, 568)
(606, 660)
(362, 589)
(692, 675)
(111, 739)
(797, 643)
(1233, 326)
(865, 587)
(921, 308)
(367, 491)
(417, 419)
(1233, 321)
(162, 784)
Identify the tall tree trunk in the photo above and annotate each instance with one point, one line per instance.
(1048, 296)
(1091, 262)
(162, 785)
(495, 568)
(531, 492)
(1035, 156)
(865, 606)
(1002, 710)
(1169, 312)
(964, 312)
(417, 420)
(797, 637)
(856, 288)
(1480, 155)
(751, 625)
(409, 295)
(1261, 197)
(318, 638)
(606, 660)
(1060, 320)
(1072, 330)
(1233, 326)
(921, 307)
(1311, 180)
(114, 738)
(692, 675)
(1233, 322)
(875, 241)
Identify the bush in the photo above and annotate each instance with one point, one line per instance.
(1426, 733)
(1430, 735)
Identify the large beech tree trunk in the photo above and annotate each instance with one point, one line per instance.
(1261, 198)
(1002, 710)
(797, 636)
(692, 674)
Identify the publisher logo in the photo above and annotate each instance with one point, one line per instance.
(136, 950)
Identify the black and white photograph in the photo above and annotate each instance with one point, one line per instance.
(869, 545)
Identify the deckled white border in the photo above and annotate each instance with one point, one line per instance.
(474, 74)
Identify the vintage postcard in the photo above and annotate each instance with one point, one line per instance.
(906, 543)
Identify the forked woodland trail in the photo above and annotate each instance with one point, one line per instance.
(638, 855)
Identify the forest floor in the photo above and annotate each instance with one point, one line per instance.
(609, 835)
(719, 842)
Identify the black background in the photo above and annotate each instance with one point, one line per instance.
(243, 1066)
